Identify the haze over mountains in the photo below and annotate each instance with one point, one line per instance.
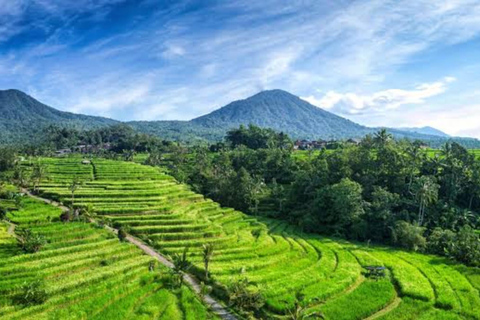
(426, 130)
(23, 118)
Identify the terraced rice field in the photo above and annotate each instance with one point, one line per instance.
(280, 259)
(88, 274)
(7, 242)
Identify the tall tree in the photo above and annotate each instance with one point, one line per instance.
(426, 194)
(382, 138)
(207, 254)
(73, 187)
(39, 173)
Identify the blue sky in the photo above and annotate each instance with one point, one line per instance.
(379, 63)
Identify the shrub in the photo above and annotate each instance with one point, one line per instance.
(3, 213)
(66, 216)
(465, 247)
(245, 296)
(440, 240)
(32, 293)
(409, 236)
(29, 241)
(122, 234)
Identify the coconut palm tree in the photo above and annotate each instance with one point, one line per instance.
(73, 187)
(207, 254)
(181, 265)
(414, 152)
(382, 138)
(426, 194)
(38, 174)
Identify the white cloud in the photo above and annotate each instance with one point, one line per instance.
(352, 103)
(173, 50)
(456, 120)
(278, 65)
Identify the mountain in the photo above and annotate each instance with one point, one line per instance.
(23, 117)
(426, 130)
(281, 111)
(285, 112)
(276, 109)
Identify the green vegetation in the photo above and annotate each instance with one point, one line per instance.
(381, 190)
(82, 271)
(261, 266)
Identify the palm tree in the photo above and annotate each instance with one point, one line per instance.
(382, 138)
(88, 213)
(181, 265)
(426, 193)
(207, 254)
(38, 174)
(413, 151)
(447, 150)
(19, 177)
(73, 187)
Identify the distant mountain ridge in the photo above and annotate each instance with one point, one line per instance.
(426, 130)
(23, 118)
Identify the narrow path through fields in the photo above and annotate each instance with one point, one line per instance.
(216, 307)
(395, 303)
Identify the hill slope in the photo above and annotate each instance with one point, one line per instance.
(23, 117)
(283, 111)
(426, 130)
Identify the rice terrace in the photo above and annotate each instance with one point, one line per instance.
(239, 160)
(88, 273)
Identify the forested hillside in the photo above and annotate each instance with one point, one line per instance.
(23, 118)
(24, 121)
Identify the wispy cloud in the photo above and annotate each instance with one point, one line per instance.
(381, 101)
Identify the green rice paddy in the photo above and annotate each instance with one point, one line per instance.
(88, 273)
(279, 258)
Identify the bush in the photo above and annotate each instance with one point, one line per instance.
(29, 241)
(3, 213)
(245, 296)
(32, 293)
(122, 234)
(409, 236)
(465, 247)
(440, 240)
(66, 216)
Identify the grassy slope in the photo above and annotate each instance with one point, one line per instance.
(280, 259)
(88, 274)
